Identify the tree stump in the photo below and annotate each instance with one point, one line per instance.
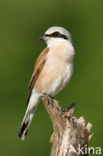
(70, 134)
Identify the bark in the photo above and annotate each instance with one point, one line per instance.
(70, 134)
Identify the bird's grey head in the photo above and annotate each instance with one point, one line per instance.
(57, 33)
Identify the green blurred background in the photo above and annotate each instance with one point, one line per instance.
(22, 22)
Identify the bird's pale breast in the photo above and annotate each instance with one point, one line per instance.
(56, 71)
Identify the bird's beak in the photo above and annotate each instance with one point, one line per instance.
(42, 37)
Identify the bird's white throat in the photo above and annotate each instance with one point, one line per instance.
(55, 41)
(52, 42)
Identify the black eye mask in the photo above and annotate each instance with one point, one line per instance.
(57, 35)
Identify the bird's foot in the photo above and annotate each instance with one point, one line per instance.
(50, 99)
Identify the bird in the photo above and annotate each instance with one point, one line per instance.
(52, 71)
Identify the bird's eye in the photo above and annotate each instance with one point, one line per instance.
(55, 34)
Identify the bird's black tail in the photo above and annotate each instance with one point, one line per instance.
(26, 123)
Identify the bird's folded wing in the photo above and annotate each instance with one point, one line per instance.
(38, 67)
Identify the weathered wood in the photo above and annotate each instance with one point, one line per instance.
(70, 133)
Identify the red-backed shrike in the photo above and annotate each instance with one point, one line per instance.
(52, 72)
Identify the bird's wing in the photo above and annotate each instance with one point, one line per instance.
(37, 69)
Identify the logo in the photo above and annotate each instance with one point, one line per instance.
(85, 150)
